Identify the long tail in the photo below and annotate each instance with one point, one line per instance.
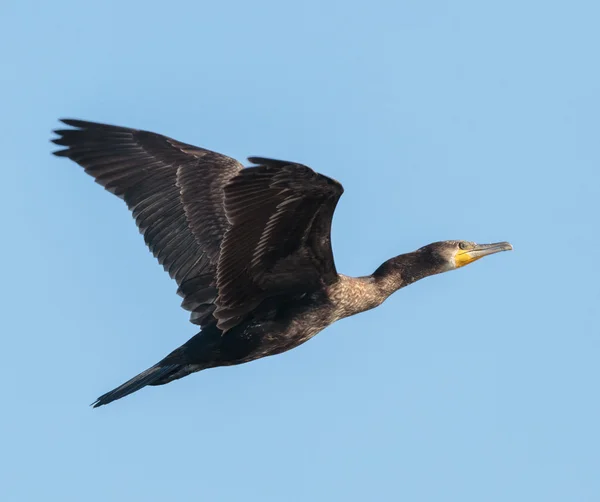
(156, 375)
(194, 355)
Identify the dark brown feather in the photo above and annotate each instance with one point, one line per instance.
(175, 192)
(279, 241)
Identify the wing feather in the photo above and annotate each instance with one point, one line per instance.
(230, 237)
(175, 192)
(279, 240)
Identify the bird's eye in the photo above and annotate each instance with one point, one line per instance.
(463, 245)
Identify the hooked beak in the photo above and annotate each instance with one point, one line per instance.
(464, 257)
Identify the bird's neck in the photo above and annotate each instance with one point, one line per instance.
(352, 295)
(401, 271)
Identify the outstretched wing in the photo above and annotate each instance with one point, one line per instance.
(175, 192)
(279, 240)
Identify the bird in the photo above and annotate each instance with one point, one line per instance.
(249, 247)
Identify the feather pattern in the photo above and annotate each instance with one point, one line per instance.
(230, 237)
(175, 192)
(279, 240)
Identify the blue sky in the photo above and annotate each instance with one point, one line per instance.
(443, 120)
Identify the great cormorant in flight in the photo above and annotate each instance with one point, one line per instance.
(249, 248)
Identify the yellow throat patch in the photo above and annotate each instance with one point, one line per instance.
(463, 258)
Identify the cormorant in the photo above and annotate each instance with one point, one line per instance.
(248, 247)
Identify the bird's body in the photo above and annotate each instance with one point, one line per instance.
(249, 247)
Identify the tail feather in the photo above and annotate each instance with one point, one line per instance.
(151, 376)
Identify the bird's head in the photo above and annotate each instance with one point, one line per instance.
(449, 255)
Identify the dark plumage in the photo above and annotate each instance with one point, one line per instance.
(248, 247)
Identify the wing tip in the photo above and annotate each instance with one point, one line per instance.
(61, 141)
(74, 122)
(87, 125)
